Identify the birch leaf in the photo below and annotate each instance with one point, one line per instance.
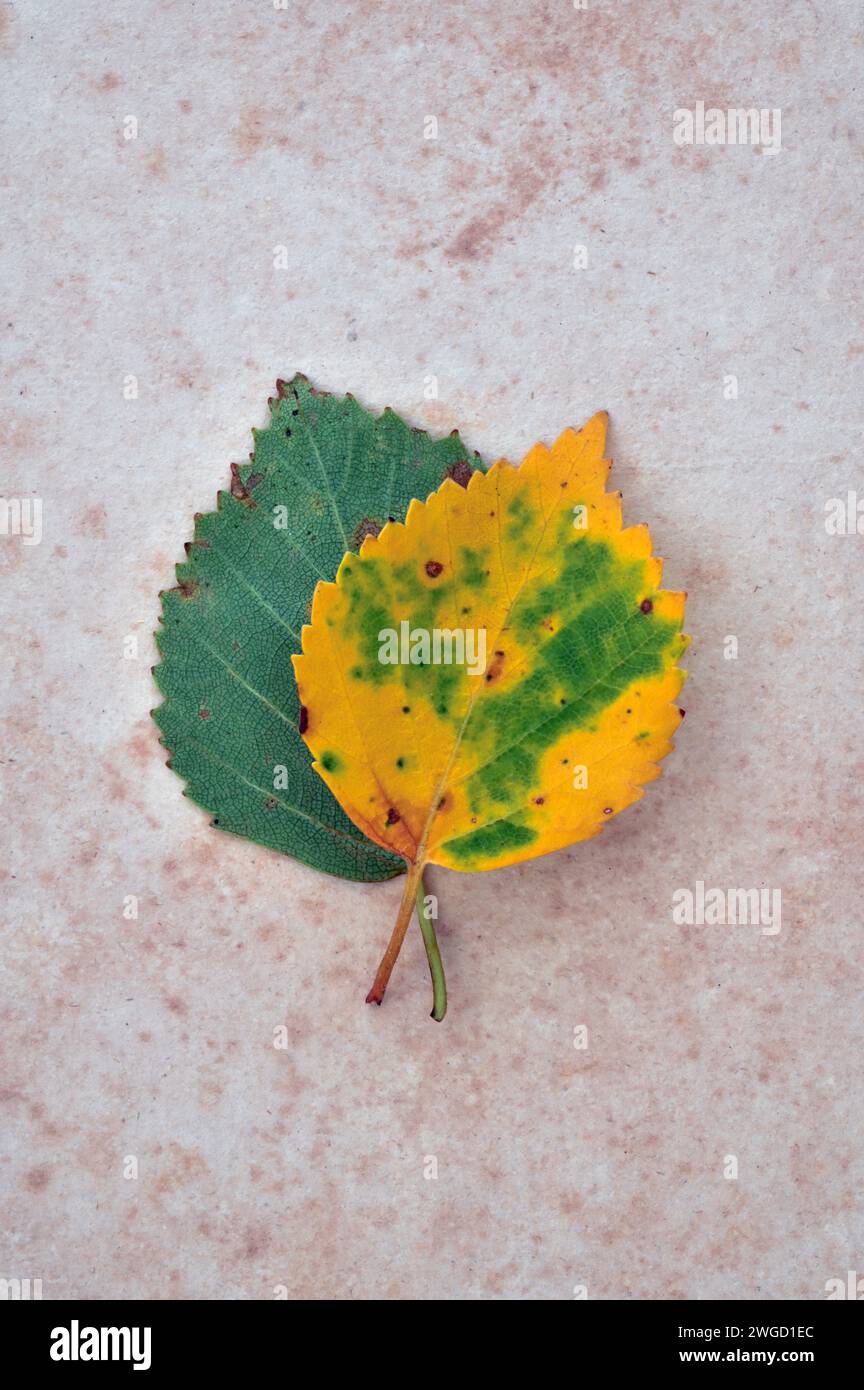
(324, 474)
(529, 695)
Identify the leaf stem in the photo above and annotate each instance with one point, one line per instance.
(433, 955)
(394, 945)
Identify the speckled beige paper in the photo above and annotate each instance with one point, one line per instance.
(200, 197)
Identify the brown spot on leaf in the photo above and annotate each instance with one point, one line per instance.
(460, 472)
(646, 605)
(369, 526)
(392, 816)
(203, 713)
(239, 489)
(188, 588)
(496, 666)
(303, 721)
(434, 568)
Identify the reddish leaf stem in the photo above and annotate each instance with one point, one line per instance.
(394, 945)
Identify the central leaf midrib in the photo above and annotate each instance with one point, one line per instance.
(443, 781)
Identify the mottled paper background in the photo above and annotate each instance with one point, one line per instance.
(411, 257)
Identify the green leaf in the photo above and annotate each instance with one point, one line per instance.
(325, 473)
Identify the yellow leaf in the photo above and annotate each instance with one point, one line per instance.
(493, 679)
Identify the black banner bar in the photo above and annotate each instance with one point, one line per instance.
(153, 1339)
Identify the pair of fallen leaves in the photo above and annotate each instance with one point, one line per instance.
(415, 762)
